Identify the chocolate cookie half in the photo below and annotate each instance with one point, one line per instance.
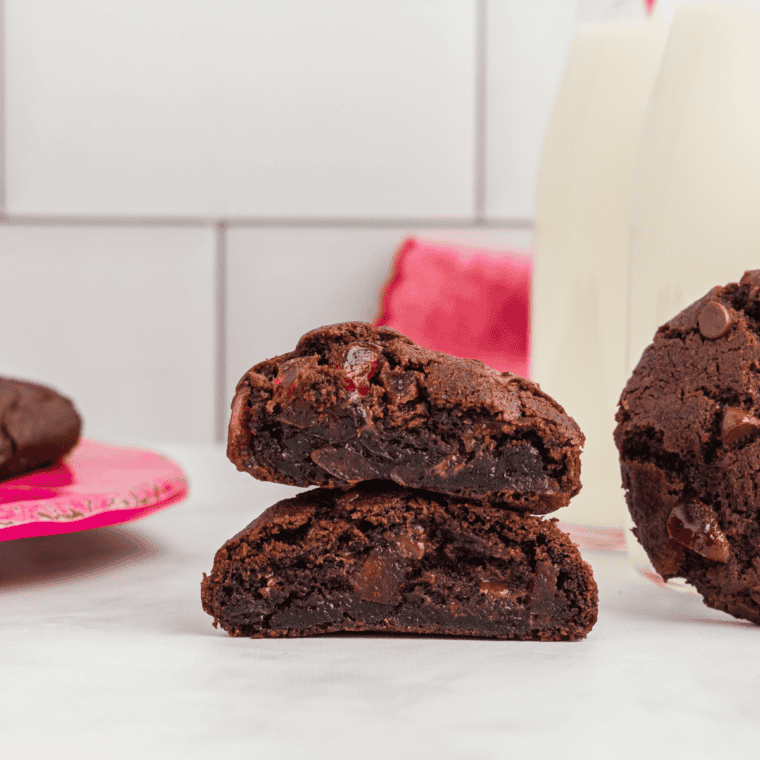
(689, 439)
(355, 403)
(37, 427)
(379, 557)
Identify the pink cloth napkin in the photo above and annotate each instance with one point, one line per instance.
(466, 302)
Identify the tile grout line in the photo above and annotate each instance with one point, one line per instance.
(220, 294)
(269, 222)
(481, 72)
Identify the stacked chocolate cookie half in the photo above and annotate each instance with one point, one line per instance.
(429, 473)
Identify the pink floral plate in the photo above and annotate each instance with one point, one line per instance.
(97, 484)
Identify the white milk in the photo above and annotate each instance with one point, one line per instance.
(583, 209)
(696, 204)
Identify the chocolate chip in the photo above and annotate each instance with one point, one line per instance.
(401, 386)
(714, 320)
(695, 526)
(411, 545)
(290, 385)
(345, 463)
(737, 424)
(380, 577)
(498, 589)
(290, 374)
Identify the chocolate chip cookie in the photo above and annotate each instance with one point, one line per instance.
(38, 427)
(378, 557)
(353, 402)
(689, 439)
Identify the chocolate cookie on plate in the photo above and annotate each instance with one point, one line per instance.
(689, 439)
(379, 557)
(354, 403)
(38, 427)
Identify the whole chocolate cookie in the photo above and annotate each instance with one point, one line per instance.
(378, 557)
(689, 439)
(355, 403)
(37, 427)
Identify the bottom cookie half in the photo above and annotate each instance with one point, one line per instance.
(386, 559)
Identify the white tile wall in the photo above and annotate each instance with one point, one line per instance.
(241, 107)
(320, 131)
(527, 45)
(120, 319)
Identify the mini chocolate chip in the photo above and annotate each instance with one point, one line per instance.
(737, 424)
(695, 526)
(714, 320)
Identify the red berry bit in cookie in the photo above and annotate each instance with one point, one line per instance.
(359, 364)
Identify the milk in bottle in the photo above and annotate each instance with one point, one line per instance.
(696, 205)
(583, 208)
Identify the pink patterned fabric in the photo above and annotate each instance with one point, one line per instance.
(466, 302)
(97, 484)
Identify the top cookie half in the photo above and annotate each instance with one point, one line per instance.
(354, 403)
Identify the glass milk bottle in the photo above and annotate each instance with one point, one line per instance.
(583, 203)
(695, 219)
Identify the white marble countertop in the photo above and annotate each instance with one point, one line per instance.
(104, 649)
